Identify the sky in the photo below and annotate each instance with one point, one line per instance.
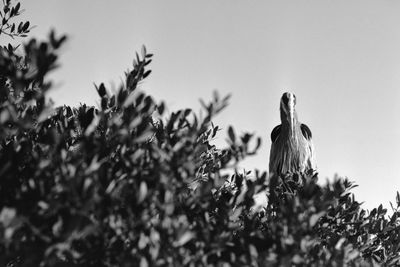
(341, 58)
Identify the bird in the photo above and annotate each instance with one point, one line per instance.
(292, 149)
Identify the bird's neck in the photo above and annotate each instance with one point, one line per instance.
(290, 123)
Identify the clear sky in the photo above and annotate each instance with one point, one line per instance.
(341, 58)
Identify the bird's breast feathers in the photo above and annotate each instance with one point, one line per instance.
(291, 152)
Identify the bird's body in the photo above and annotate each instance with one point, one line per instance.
(292, 150)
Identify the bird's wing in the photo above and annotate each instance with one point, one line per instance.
(306, 131)
(307, 135)
(275, 133)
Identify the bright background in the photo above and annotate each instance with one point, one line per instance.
(341, 58)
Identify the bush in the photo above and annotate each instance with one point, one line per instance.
(125, 184)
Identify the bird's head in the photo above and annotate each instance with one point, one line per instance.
(288, 112)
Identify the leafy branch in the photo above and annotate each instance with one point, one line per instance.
(7, 15)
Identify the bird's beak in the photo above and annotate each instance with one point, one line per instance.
(291, 104)
(288, 113)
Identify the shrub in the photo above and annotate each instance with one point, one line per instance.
(126, 184)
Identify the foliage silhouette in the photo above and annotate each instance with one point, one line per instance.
(126, 184)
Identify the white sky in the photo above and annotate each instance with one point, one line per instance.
(341, 58)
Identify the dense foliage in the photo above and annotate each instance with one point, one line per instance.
(125, 184)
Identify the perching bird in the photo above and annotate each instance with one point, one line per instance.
(292, 150)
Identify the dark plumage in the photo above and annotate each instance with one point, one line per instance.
(292, 150)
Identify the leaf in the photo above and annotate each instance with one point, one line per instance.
(236, 213)
(111, 186)
(112, 102)
(147, 73)
(57, 227)
(373, 213)
(142, 191)
(186, 237)
(187, 112)
(102, 90)
(253, 251)
(380, 209)
(297, 259)
(160, 108)
(17, 7)
(246, 138)
(26, 26)
(144, 262)
(171, 121)
(339, 244)
(121, 97)
(353, 254)
(144, 136)
(148, 62)
(144, 52)
(4, 116)
(94, 165)
(231, 134)
(129, 100)
(93, 125)
(137, 58)
(315, 217)
(215, 130)
(104, 103)
(203, 104)
(45, 114)
(135, 122)
(394, 217)
(7, 215)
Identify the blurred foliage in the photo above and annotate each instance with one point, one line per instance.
(7, 15)
(125, 184)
